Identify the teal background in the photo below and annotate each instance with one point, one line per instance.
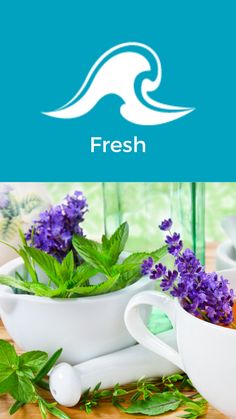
(47, 50)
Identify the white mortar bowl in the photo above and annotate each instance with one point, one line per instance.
(225, 256)
(84, 327)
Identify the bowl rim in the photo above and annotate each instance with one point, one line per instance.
(17, 262)
(221, 253)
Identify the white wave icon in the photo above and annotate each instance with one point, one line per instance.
(131, 71)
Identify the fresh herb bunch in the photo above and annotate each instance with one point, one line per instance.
(203, 294)
(22, 377)
(149, 397)
(66, 280)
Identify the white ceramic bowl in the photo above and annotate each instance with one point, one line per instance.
(206, 352)
(225, 256)
(84, 327)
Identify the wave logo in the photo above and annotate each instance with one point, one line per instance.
(131, 71)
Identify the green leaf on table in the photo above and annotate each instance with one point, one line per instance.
(47, 263)
(16, 406)
(57, 412)
(8, 382)
(23, 390)
(8, 365)
(33, 360)
(48, 366)
(158, 404)
(8, 355)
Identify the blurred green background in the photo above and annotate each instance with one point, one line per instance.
(144, 205)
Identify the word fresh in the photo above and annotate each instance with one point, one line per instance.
(116, 146)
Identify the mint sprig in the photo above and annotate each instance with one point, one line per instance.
(21, 376)
(149, 397)
(66, 280)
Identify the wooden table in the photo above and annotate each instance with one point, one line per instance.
(106, 411)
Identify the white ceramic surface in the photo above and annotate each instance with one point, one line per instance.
(84, 327)
(229, 226)
(225, 256)
(206, 352)
(67, 383)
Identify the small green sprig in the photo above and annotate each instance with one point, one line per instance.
(21, 376)
(149, 397)
(66, 280)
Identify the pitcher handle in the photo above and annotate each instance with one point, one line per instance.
(139, 331)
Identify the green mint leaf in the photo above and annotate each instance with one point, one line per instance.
(8, 356)
(5, 373)
(158, 404)
(105, 242)
(117, 242)
(44, 290)
(137, 258)
(8, 382)
(23, 390)
(131, 266)
(103, 288)
(9, 363)
(14, 282)
(67, 267)
(48, 366)
(47, 263)
(22, 237)
(28, 264)
(82, 273)
(33, 360)
(92, 253)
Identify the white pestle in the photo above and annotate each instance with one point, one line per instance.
(68, 383)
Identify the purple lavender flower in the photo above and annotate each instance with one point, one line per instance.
(168, 280)
(166, 225)
(158, 272)
(53, 232)
(147, 266)
(202, 294)
(175, 244)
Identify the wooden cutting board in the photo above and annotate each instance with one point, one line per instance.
(106, 411)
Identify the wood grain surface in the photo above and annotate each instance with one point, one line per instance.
(106, 410)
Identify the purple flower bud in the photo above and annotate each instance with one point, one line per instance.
(166, 225)
(147, 266)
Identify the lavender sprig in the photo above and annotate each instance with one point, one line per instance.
(200, 293)
(54, 229)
